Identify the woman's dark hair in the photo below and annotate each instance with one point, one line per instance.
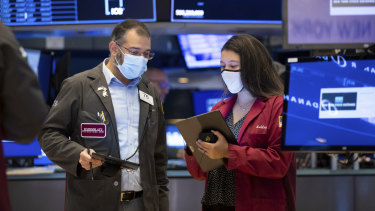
(258, 74)
(120, 30)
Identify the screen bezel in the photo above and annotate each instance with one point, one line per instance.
(324, 149)
(287, 45)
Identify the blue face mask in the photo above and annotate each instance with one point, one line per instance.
(133, 66)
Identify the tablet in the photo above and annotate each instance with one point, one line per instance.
(115, 161)
(191, 128)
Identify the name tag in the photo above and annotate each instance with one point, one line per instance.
(146, 97)
(93, 130)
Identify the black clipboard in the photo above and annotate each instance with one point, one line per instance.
(191, 128)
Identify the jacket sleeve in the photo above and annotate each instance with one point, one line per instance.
(267, 162)
(23, 108)
(194, 168)
(161, 159)
(55, 136)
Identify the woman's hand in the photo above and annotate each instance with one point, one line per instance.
(214, 150)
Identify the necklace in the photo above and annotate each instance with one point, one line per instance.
(245, 107)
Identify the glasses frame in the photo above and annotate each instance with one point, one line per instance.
(150, 56)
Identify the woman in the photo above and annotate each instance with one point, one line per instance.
(257, 175)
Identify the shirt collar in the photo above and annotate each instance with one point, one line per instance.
(110, 77)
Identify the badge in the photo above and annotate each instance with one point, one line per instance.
(280, 121)
(105, 94)
(146, 97)
(93, 130)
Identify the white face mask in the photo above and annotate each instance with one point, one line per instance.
(233, 80)
(133, 66)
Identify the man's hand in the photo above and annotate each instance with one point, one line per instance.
(85, 159)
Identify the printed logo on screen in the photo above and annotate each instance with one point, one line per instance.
(93, 130)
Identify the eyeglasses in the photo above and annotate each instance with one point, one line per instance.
(136, 52)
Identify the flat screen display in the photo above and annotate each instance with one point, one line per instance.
(13, 149)
(226, 11)
(41, 63)
(174, 137)
(204, 100)
(201, 51)
(328, 23)
(329, 104)
(53, 12)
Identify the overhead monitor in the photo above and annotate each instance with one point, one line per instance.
(329, 104)
(54, 12)
(204, 100)
(224, 11)
(202, 51)
(328, 24)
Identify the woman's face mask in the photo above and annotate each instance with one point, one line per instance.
(133, 66)
(233, 80)
(230, 70)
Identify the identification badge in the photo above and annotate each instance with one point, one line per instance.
(93, 130)
(280, 121)
(146, 97)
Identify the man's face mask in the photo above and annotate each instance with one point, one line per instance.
(233, 80)
(133, 66)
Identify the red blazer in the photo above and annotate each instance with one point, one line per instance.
(265, 177)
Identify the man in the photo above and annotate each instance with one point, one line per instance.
(111, 110)
(160, 80)
(22, 106)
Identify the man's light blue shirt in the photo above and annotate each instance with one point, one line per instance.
(126, 105)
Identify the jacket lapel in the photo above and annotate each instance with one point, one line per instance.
(144, 109)
(255, 110)
(97, 84)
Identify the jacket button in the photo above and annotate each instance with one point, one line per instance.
(115, 183)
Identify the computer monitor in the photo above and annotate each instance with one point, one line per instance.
(328, 24)
(14, 150)
(25, 13)
(174, 137)
(202, 51)
(329, 104)
(204, 100)
(222, 11)
(41, 62)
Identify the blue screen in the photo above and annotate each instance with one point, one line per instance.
(224, 11)
(13, 149)
(202, 50)
(174, 137)
(330, 102)
(54, 12)
(41, 64)
(205, 100)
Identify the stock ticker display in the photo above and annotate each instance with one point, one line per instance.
(51, 12)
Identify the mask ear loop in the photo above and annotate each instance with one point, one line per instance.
(118, 63)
